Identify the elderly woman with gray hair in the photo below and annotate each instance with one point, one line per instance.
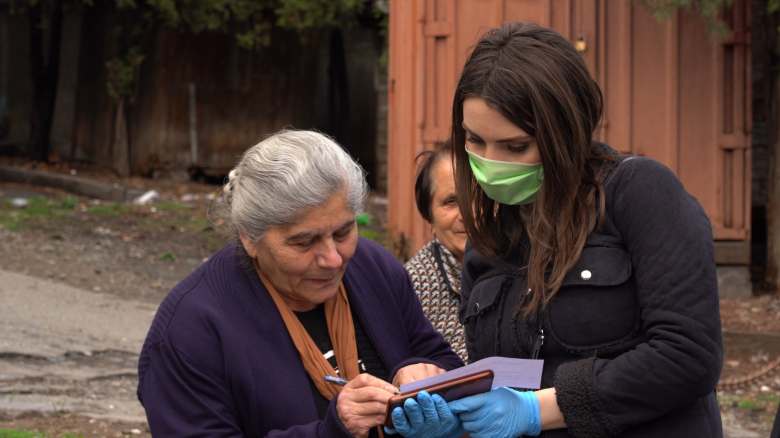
(241, 347)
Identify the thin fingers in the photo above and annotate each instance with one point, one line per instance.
(470, 417)
(364, 380)
(400, 423)
(369, 394)
(442, 409)
(413, 412)
(467, 404)
(428, 407)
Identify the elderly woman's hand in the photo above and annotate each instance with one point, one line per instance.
(414, 372)
(362, 403)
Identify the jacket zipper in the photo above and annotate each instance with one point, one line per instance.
(538, 344)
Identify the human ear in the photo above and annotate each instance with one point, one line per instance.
(249, 246)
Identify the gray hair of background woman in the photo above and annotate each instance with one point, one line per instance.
(283, 176)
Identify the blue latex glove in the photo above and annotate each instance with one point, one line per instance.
(502, 412)
(427, 416)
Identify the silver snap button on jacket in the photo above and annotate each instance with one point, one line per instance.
(586, 274)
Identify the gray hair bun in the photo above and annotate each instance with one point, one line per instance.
(228, 188)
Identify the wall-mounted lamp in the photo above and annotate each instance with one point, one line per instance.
(580, 45)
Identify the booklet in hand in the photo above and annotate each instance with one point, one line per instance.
(475, 378)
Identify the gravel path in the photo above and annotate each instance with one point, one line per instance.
(66, 349)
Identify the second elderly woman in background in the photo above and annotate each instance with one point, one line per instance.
(241, 347)
(436, 268)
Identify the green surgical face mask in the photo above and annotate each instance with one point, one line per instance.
(506, 182)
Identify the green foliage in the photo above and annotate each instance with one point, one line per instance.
(172, 206)
(773, 6)
(168, 256)
(763, 402)
(15, 433)
(748, 405)
(250, 22)
(108, 209)
(707, 9)
(122, 72)
(372, 234)
(69, 202)
(37, 208)
(382, 16)
(307, 14)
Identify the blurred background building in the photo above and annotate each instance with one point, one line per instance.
(180, 89)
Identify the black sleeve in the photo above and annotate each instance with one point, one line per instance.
(776, 426)
(669, 238)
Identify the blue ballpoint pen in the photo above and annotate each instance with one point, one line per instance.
(336, 380)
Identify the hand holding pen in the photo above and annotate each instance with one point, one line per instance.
(336, 380)
(362, 403)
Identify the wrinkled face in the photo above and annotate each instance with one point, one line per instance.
(306, 260)
(491, 135)
(446, 221)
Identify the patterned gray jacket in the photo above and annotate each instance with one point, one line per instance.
(435, 274)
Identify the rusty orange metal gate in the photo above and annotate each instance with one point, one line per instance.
(673, 91)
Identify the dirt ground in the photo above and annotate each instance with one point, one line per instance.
(138, 252)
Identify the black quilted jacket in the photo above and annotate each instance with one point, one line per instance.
(632, 341)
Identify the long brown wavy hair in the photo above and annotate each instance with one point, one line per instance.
(536, 79)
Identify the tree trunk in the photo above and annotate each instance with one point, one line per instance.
(771, 279)
(44, 66)
(338, 90)
(120, 148)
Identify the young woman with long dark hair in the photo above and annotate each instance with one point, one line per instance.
(598, 263)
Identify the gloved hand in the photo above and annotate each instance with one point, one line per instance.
(428, 416)
(502, 412)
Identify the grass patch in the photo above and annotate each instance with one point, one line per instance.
(69, 203)
(748, 405)
(372, 234)
(765, 401)
(171, 206)
(378, 235)
(38, 207)
(168, 256)
(108, 209)
(15, 433)
(198, 224)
